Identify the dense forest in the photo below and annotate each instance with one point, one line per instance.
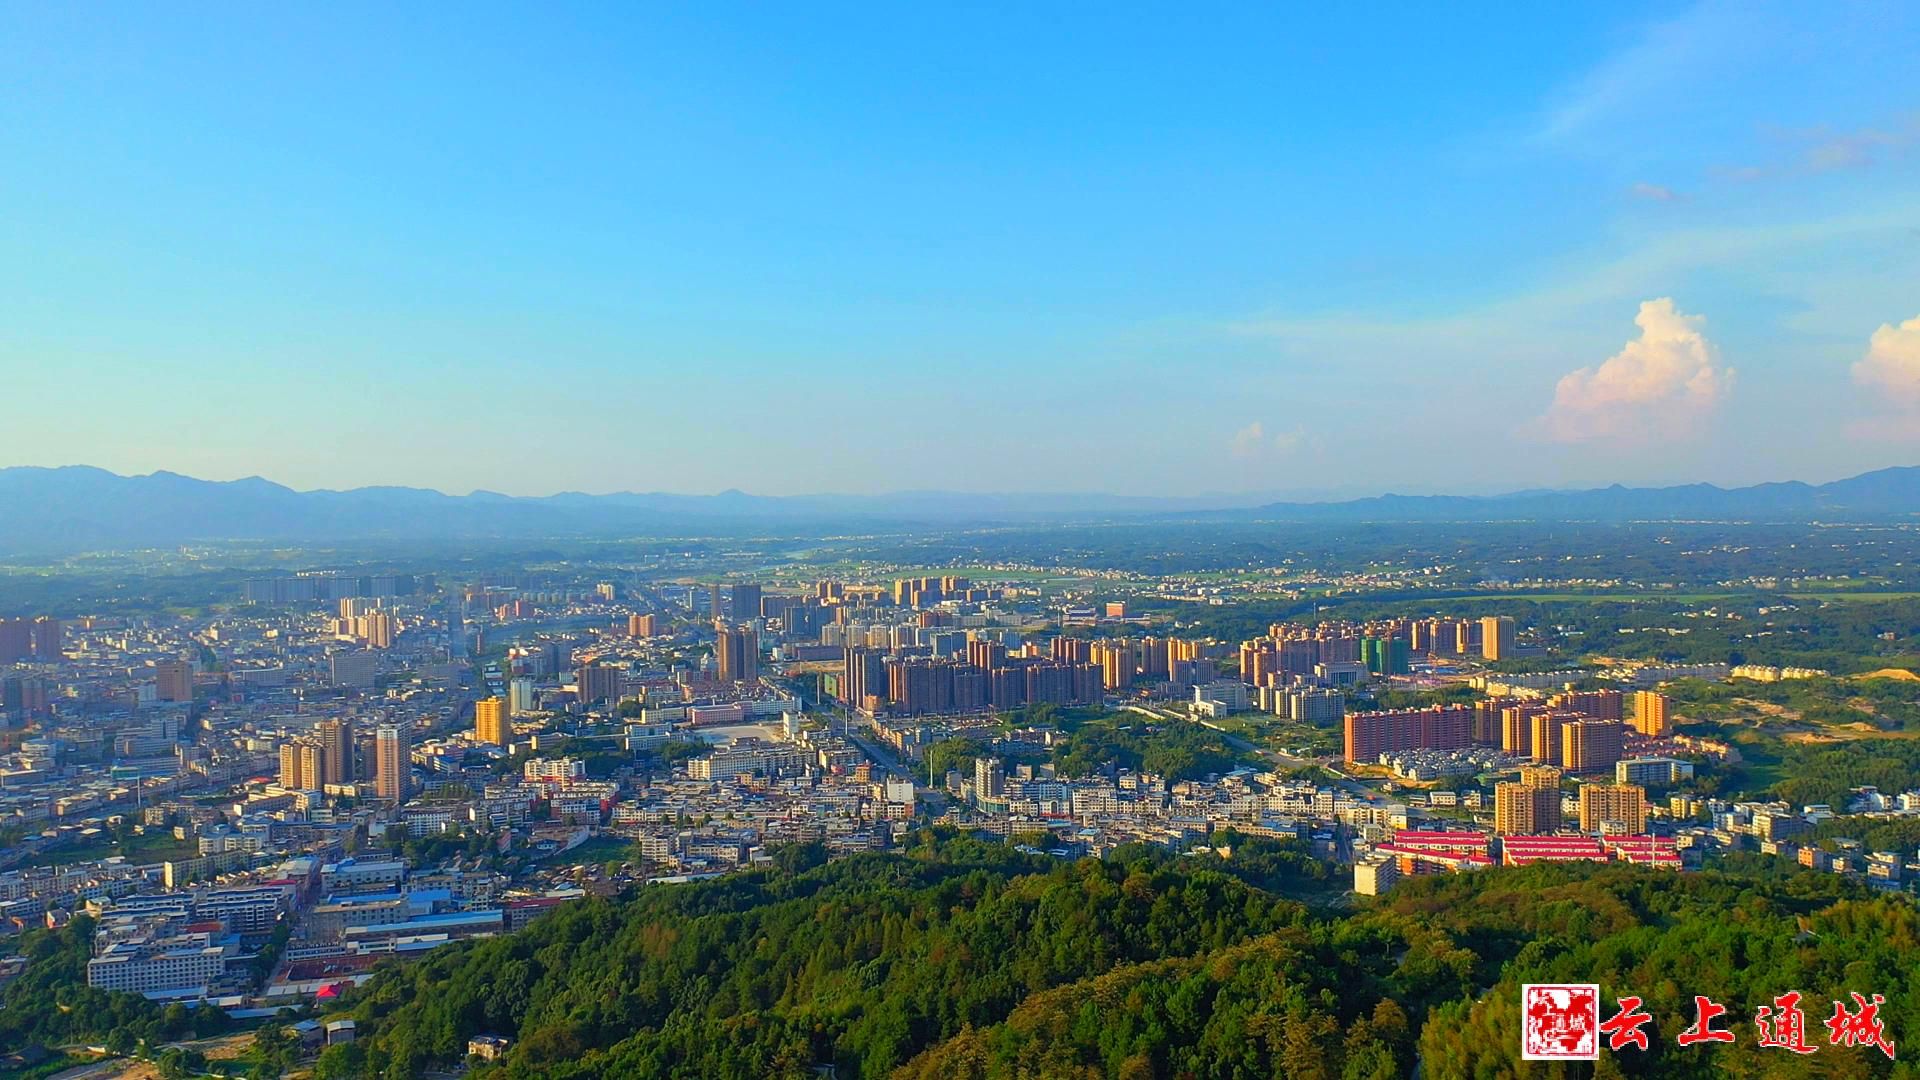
(956, 958)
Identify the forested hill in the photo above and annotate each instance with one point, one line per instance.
(960, 959)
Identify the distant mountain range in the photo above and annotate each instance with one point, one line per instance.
(1882, 494)
(80, 508)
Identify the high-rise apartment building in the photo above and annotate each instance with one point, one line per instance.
(1592, 745)
(290, 777)
(1613, 808)
(336, 750)
(989, 778)
(1529, 807)
(520, 700)
(49, 639)
(736, 653)
(864, 677)
(1547, 730)
(16, 640)
(313, 765)
(1598, 704)
(1368, 735)
(490, 723)
(1497, 637)
(173, 680)
(1651, 713)
(746, 603)
(303, 765)
(392, 762)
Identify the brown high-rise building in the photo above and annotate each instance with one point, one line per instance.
(1591, 745)
(377, 629)
(1116, 663)
(643, 625)
(392, 762)
(49, 639)
(1368, 735)
(746, 603)
(863, 677)
(1516, 728)
(1466, 637)
(290, 777)
(302, 766)
(490, 723)
(736, 652)
(173, 680)
(16, 640)
(1652, 714)
(1068, 650)
(1598, 704)
(25, 695)
(1541, 776)
(1623, 807)
(986, 653)
(336, 750)
(1547, 726)
(1530, 807)
(1497, 637)
(596, 681)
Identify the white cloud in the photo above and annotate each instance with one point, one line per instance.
(1252, 442)
(1892, 363)
(1654, 192)
(1661, 383)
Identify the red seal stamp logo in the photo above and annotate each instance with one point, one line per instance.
(1560, 1022)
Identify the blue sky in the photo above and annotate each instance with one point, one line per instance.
(811, 248)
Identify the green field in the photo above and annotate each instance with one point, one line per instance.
(153, 846)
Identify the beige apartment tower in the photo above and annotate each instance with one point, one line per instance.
(490, 723)
(392, 759)
(1617, 806)
(1497, 637)
(1651, 714)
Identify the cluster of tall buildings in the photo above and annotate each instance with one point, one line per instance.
(365, 621)
(1070, 671)
(307, 588)
(1580, 731)
(923, 592)
(1380, 647)
(1532, 805)
(736, 653)
(310, 763)
(924, 685)
(40, 638)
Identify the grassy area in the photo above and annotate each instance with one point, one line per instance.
(599, 849)
(153, 846)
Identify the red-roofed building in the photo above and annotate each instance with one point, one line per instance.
(1522, 850)
(1458, 843)
(1432, 861)
(1657, 851)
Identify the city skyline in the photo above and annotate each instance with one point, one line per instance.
(794, 253)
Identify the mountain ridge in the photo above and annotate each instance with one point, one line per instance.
(83, 507)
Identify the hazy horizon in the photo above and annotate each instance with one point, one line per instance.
(1224, 497)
